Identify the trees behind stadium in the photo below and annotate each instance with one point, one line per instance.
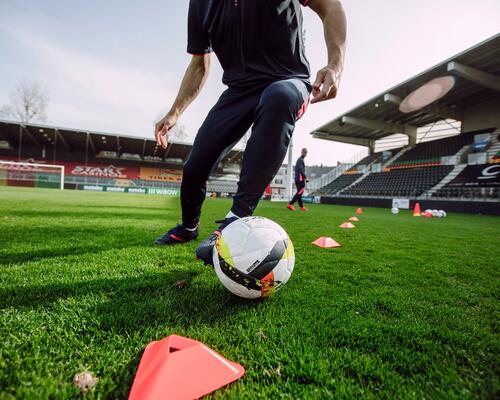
(28, 102)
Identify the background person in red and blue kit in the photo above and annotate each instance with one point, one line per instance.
(260, 46)
(300, 182)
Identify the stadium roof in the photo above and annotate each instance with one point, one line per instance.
(80, 140)
(477, 74)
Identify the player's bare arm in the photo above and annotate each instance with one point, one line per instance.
(194, 78)
(332, 14)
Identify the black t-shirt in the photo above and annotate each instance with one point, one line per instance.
(300, 170)
(256, 41)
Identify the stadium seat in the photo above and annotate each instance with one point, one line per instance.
(339, 183)
(400, 182)
(430, 153)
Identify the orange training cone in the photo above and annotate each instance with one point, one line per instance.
(416, 210)
(180, 368)
(359, 211)
(354, 219)
(326, 242)
(347, 225)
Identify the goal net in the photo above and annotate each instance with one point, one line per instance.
(31, 175)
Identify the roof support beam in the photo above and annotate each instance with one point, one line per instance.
(377, 125)
(144, 148)
(482, 78)
(63, 141)
(118, 146)
(344, 139)
(443, 111)
(167, 151)
(91, 142)
(30, 135)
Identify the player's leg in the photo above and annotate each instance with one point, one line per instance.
(226, 123)
(278, 109)
(295, 197)
(299, 196)
(275, 116)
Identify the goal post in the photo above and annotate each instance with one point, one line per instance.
(15, 173)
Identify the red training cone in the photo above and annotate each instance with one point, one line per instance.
(180, 368)
(347, 225)
(354, 219)
(416, 210)
(325, 241)
(359, 211)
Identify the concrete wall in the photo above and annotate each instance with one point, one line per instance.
(482, 116)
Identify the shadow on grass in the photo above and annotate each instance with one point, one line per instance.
(150, 303)
(137, 302)
(40, 243)
(88, 215)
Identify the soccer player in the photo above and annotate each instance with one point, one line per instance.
(300, 181)
(260, 45)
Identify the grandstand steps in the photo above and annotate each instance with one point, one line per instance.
(447, 179)
(461, 155)
(316, 184)
(396, 156)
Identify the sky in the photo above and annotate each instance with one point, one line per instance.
(115, 66)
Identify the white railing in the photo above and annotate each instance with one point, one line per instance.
(325, 179)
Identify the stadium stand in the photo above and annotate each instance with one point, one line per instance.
(407, 182)
(430, 153)
(99, 159)
(338, 184)
(447, 142)
(475, 181)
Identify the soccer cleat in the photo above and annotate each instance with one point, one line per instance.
(290, 207)
(304, 208)
(177, 235)
(205, 250)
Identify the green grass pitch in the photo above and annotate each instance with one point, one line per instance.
(406, 308)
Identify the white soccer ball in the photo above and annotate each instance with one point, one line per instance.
(395, 210)
(443, 213)
(435, 213)
(253, 257)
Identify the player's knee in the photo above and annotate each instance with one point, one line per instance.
(278, 99)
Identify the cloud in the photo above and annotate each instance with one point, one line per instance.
(88, 85)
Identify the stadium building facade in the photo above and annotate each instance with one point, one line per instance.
(456, 104)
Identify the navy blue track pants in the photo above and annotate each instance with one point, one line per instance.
(273, 111)
(301, 185)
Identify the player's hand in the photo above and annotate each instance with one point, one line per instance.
(163, 126)
(326, 84)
